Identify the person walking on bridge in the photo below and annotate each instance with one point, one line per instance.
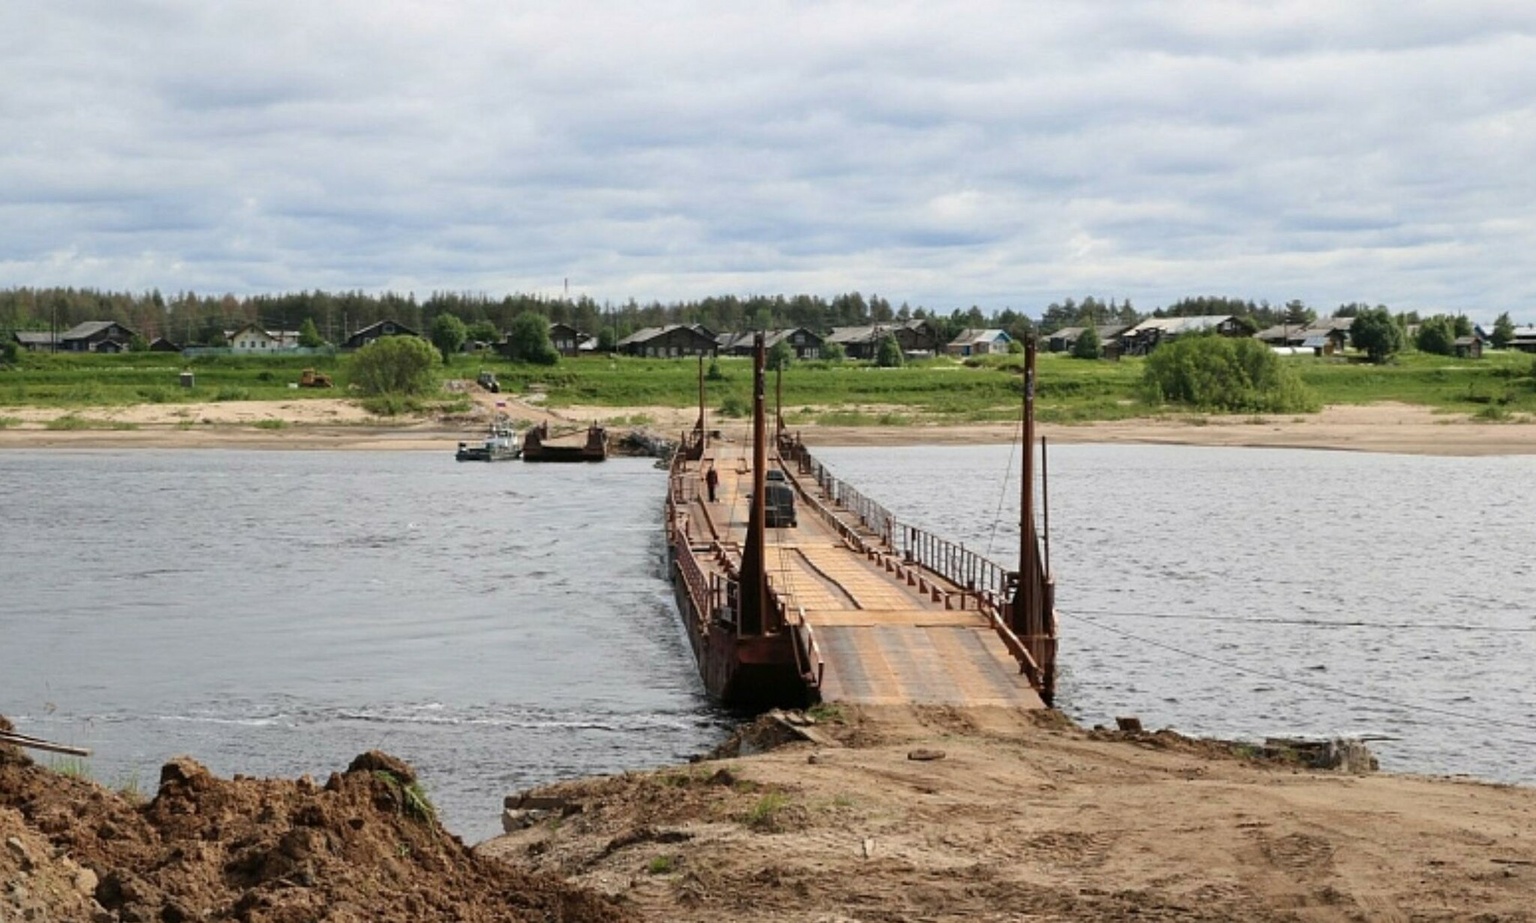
(712, 481)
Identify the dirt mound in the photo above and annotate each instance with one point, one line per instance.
(363, 846)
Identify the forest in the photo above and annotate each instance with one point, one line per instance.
(191, 319)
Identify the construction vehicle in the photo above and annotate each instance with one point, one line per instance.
(309, 378)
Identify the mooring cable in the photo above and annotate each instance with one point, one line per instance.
(1318, 687)
(1313, 623)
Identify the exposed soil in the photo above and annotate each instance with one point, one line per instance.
(360, 847)
(938, 815)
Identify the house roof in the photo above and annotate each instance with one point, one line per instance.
(1326, 324)
(88, 329)
(863, 334)
(979, 335)
(1170, 326)
(34, 338)
(646, 334)
(399, 328)
(1073, 333)
(1281, 332)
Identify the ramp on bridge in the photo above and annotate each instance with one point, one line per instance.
(882, 641)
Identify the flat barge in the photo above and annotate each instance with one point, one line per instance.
(840, 601)
(539, 445)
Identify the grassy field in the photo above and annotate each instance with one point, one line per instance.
(1497, 387)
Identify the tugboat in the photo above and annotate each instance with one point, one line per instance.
(501, 443)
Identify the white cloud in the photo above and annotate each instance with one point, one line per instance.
(999, 154)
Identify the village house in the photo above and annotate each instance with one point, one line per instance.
(254, 338)
(803, 342)
(384, 328)
(671, 341)
(1523, 339)
(918, 338)
(1145, 336)
(979, 343)
(1325, 336)
(566, 340)
(91, 337)
(34, 340)
(1064, 339)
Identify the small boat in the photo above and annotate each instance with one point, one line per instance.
(501, 443)
(540, 446)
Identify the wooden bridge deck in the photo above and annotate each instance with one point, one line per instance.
(882, 641)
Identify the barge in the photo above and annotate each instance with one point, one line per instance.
(843, 602)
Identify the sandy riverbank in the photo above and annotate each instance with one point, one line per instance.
(341, 424)
(1024, 817)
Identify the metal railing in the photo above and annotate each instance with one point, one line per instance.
(950, 560)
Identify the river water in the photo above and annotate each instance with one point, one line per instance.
(503, 625)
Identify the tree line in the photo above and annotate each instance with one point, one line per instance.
(191, 319)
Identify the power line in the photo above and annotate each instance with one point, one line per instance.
(1318, 687)
(1315, 623)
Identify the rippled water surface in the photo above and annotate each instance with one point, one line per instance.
(1247, 592)
(277, 613)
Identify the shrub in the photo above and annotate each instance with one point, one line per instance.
(1223, 374)
(394, 365)
(528, 340)
(734, 406)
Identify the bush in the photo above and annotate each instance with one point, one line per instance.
(1088, 345)
(1375, 331)
(394, 365)
(734, 406)
(1223, 374)
(448, 334)
(1437, 335)
(528, 340)
(779, 357)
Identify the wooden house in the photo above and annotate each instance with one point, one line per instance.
(566, 339)
(671, 341)
(918, 337)
(858, 342)
(36, 341)
(1523, 339)
(980, 342)
(1469, 347)
(1064, 339)
(1145, 336)
(384, 328)
(94, 336)
(803, 342)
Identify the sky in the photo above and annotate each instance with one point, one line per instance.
(942, 155)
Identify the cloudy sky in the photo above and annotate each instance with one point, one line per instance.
(1001, 154)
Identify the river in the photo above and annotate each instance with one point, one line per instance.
(504, 625)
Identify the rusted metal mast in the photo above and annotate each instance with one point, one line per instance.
(778, 401)
(755, 616)
(701, 405)
(1027, 600)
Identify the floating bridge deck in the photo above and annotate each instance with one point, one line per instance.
(888, 631)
